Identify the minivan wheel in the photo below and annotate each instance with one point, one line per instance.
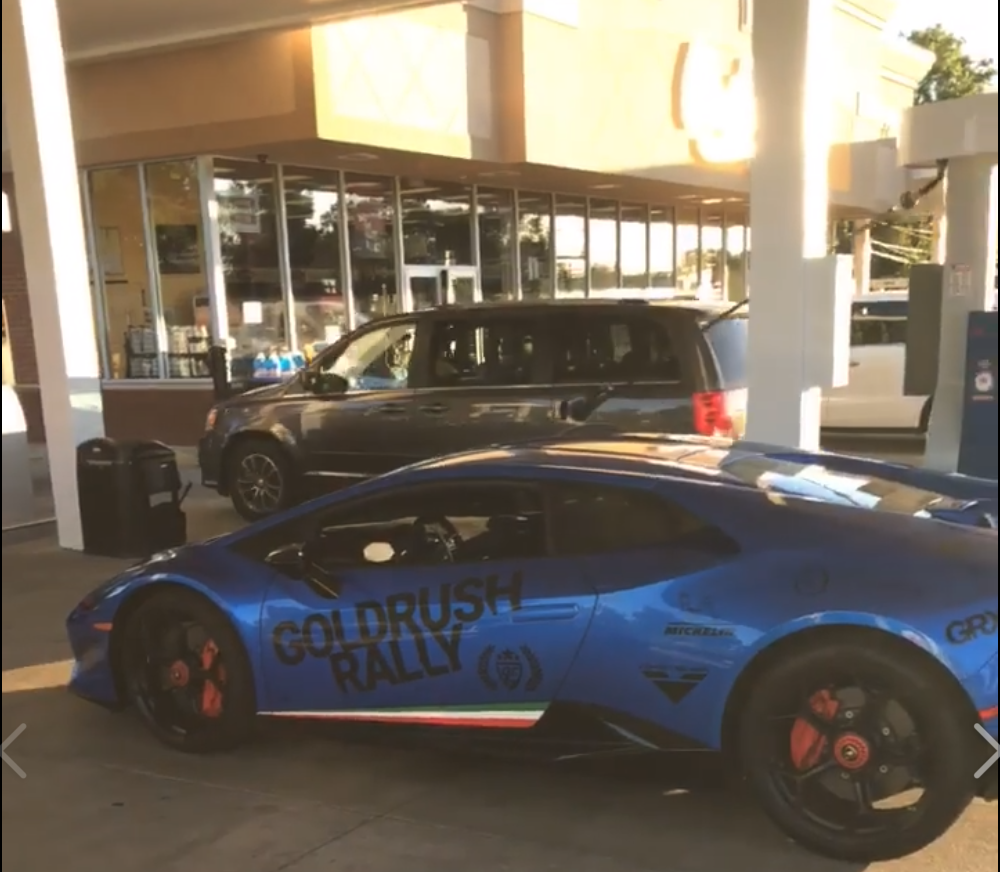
(259, 479)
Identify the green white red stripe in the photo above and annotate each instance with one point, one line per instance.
(513, 717)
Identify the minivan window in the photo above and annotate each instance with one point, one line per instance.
(866, 332)
(728, 340)
(497, 352)
(598, 347)
(378, 359)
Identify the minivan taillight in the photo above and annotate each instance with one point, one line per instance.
(712, 416)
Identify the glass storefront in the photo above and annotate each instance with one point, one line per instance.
(713, 254)
(662, 248)
(688, 250)
(602, 244)
(534, 235)
(571, 246)
(278, 262)
(315, 236)
(736, 265)
(128, 303)
(370, 206)
(179, 272)
(437, 223)
(496, 228)
(633, 244)
(254, 298)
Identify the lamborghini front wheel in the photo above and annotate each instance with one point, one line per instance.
(185, 671)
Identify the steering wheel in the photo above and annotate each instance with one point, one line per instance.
(437, 528)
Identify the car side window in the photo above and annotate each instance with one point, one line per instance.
(593, 347)
(450, 524)
(879, 322)
(866, 332)
(590, 519)
(469, 352)
(378, 359)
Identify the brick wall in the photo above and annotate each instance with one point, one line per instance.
(18, 312)
(15, 301)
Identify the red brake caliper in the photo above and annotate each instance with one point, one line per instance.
(808, 744)
(211, 694)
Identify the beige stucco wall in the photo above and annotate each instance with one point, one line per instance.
(585, 85)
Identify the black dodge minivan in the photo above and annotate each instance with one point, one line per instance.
(409, 387)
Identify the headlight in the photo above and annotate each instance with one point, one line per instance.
(210, 419)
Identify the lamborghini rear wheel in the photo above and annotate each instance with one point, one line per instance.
(185, 671)
(858, 750)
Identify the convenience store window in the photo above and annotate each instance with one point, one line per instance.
(148, 263)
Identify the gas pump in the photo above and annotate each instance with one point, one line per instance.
(978, 451)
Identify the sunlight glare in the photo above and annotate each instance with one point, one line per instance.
(43, 676)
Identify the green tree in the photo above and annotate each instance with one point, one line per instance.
(955, 72)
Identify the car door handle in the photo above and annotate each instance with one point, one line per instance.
(392, 409)
(547, 612)
(434, 409)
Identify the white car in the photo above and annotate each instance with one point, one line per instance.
(874, 400)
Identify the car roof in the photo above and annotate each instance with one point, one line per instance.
(702, 308)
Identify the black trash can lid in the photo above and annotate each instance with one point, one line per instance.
(102, 450)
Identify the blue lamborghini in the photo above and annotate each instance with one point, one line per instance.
(829, 624)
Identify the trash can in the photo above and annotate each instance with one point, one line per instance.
(131, 498)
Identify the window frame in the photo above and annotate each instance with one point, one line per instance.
(309, 523)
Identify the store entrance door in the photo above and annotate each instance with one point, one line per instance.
(429, 286)
(424, 286)
(461, 286)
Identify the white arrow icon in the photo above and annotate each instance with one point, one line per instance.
(10, 739)
(996, 750)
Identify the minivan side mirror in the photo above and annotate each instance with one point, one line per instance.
(574, 411)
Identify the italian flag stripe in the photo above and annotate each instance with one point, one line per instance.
(495, 717)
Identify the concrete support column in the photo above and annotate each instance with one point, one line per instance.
(862, 258)
(789, 209)
(970, 211)
(50, 220)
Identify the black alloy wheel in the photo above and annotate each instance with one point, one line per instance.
(185, 671)
(860, 754)
(259, 479)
